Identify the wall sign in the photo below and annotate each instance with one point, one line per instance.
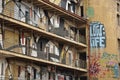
(97, 35)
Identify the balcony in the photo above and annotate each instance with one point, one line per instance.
(41, 27)
(81, 63)
(78, 63)
(18, 50)
(47, 5)
(9, 20)
(44, 58)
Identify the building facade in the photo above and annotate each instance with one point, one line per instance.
(43, 40)
(104, 39)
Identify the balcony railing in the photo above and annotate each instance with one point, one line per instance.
(19, 14)
(29, 51)
(79, 63)
(14, 78)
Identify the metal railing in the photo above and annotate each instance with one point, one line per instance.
(32, 52)
(81, 63)
(19, 14)
(14, 78)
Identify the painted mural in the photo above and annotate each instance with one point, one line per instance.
(103, 65)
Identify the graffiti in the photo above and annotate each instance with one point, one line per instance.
(103, 66)
(97, 35)
(110, 61)
(95, 67)
(116, 71)
(109, 56)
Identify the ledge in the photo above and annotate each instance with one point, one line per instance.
(47, 5)
(29, 58)
(13, 23)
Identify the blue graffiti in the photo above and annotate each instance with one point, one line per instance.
(97, 35)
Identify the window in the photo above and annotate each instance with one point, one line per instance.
(118, 19)
(70, 6)
(82, 11)
(119, 45)
(118, 7)
(118, 12)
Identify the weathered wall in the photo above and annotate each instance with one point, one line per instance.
(103, 56)
(9, 9)
(11, 38)
(57, 2)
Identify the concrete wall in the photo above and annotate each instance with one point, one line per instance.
(104, 60)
